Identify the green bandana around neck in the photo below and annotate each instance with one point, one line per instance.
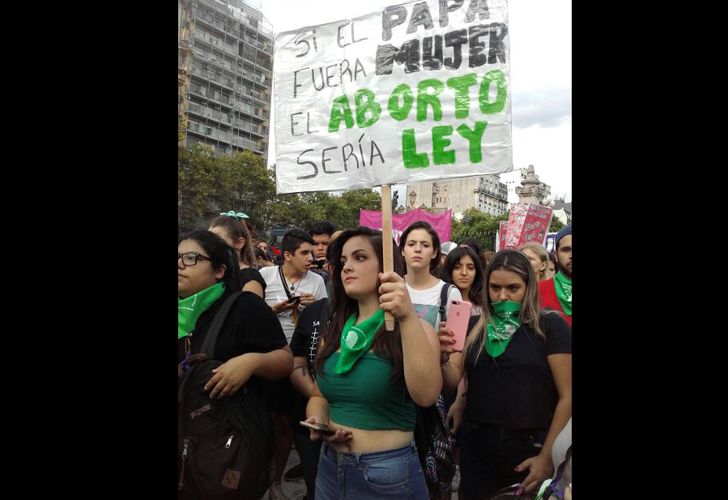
(189, 309)
(562, 284)
(502, 326)
(356, 340)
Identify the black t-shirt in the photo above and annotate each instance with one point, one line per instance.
(516, 390)
(306, 338)
(250, 326)
(250, 274)
(308, 328)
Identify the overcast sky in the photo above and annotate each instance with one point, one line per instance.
(540, 66)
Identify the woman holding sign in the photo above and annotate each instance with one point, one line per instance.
(517, 362)
(369, 379)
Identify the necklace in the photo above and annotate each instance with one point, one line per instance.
(293, 284)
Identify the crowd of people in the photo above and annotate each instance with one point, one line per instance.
(308, 337)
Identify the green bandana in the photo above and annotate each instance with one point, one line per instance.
(356, 340)
(189, 309)
(502, 326)
(562, 284)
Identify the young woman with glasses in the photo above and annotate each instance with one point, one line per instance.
(251, 342)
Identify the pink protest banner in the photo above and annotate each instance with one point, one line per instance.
(440, 222)
(502, 235)
(526, 223)
(536, 226)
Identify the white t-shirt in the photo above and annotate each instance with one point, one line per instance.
(427, 302)
(274, 293)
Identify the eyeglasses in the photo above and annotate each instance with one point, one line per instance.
(191, 258)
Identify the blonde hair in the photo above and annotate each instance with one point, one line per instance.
(516, 262)
(539, 250)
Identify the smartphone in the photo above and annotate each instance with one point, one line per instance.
(294, 299)
(322, 428)
(458, 317)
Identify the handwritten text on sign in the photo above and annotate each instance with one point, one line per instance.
(417, 91)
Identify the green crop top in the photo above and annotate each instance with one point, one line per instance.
(365, 398)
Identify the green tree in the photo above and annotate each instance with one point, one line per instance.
(248, 186)
(556, 225)
(478, 225)
(351, 202)
(198, 174)
(209, 184)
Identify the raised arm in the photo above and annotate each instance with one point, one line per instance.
(420, 348)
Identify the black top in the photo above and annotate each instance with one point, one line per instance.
(306, 338)
(309, 327)
(250, 274)
(516, 390)
(250, 326)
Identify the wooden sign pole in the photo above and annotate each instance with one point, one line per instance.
(387, 243)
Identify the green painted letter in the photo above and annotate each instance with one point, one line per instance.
(396, 111)
(499, 78)
(410, 156)
(423, 99)
(340, 109)
(365, 101)
(474, 137)
(439, 142)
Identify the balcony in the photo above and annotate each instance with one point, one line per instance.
(219, 25)
(216, 42)
(212, 114)
(211, 96)
(248, 127)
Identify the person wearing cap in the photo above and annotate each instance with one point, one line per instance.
(555, 292)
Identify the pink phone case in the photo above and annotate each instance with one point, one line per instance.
(458, 316)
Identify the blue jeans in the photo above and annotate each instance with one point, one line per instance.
(361, 476)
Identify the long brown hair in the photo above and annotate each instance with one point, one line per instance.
(517, 262)
(420, 224)
(475, 295)
(238, 229)
(388, 345)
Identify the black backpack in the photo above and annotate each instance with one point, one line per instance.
(432, 437)
(225, 445)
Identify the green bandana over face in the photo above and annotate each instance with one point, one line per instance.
(502, 326)
(356, 340)
(562, 284)
(189, 309)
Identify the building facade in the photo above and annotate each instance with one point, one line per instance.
(484, 192)
(228, 96)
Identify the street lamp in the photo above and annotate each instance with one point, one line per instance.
(412, 197)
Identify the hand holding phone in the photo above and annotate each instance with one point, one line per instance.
(322, 428)
(294, 299)
(458, 316)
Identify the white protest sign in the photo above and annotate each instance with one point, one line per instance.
(413, 92)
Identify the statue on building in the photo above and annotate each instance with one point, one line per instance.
(532, 190)
(395, 201)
